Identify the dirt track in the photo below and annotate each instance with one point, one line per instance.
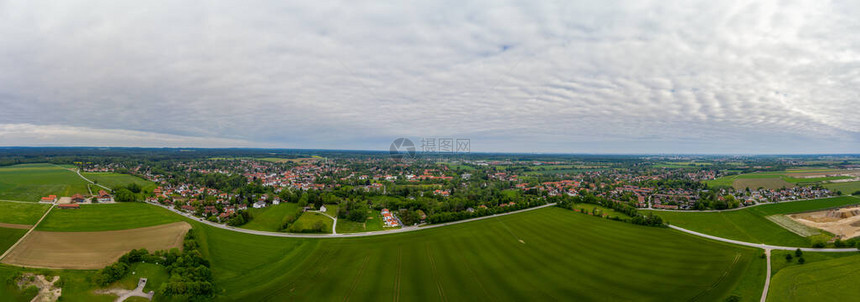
(92, 250)
(15, 226)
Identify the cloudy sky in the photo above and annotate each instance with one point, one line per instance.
(531, 76)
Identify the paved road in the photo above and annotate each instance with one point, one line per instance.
(28, 233)
(364, 234)
(137, 292)
(765, 246)
(767, 278)
(78, 171)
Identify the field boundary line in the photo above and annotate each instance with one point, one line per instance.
(9, 250)
(21, 201)
(435, 274)
(793, 226)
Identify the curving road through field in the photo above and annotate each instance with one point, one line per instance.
(363, 234)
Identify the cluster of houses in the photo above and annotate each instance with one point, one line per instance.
(389, 219)
(74, 201)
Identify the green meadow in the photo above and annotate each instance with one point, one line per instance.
(308, 220)
(770, 180)
(827, 280)
(113, 180)
(845, 187)
(8, 237)
(106, 217)
(547, 254)
(750, 224)
(271, 218)
(373, 223)
(30, 182)
(21, 213)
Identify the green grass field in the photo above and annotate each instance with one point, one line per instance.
(271, 218)
(107, 217)
(31, 182)
(750, 224)
(605, 211)
(76, 284)
(547, 254)
(8, 237)
(373, 223)
(827, 280)
(307, 221)
(771, 180)
(21, 213)
(155, 275)
(845, 187)
(778, 261)
(112, 180)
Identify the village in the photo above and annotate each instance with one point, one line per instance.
(200, 187)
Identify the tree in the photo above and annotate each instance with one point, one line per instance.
(788, 257)
(124, 195)
(801, 260)
(798, 253)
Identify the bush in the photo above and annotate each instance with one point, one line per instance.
(124, 195)
(788, 257)
(801, 260)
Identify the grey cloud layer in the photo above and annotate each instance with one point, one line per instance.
(598, 76)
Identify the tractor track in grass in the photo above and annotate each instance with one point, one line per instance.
(474, 274)
(436, 274)
(397, 274)
(720, 279)
(357, 278)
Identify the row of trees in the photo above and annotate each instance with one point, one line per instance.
(190, 276)
(569, 202)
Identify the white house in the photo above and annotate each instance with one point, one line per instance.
(259, 204)
(322, 208)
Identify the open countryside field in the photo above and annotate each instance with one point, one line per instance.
(589, 208)
(8, 237)
(21, 213)
(92, 250)
(76, 285)
(547, 254)
(106, 217)
(845, 187)
(113, 180)
(750, 224)
(30, 182)
(828, 280)
(755, 183)
(271, 218)
(776, 180)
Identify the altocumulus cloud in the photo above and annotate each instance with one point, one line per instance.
(535, 76)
